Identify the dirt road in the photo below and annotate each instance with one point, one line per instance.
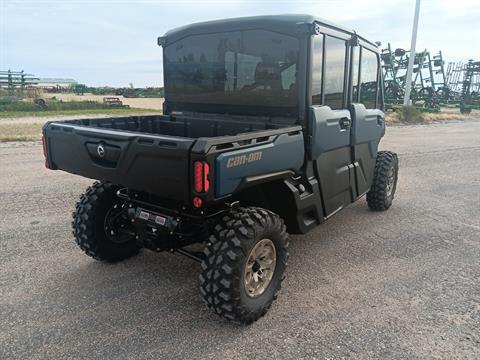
(404, 284)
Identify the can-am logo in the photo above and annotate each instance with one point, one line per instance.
(244, 159)
(100, 150)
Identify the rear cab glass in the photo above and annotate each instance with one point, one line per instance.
(235, 71)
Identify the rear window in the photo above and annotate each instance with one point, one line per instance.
(242, 70)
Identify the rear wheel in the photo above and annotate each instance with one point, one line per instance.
(384, 184)
(101, 226)
(244, 264)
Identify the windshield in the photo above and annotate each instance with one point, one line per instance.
(234, 72)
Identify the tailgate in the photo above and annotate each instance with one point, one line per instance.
(154, 163)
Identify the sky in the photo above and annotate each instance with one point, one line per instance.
(113, 43)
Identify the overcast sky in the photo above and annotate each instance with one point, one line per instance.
(114, 42)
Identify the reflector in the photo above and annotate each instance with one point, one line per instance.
(197, 202)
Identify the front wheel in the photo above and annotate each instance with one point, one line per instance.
(381, 194)
(244, 264)
(101, 226)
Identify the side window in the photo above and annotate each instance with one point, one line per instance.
(355, 70)
(335, 52)
(317, 70)
(368, 83)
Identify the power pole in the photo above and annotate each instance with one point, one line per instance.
(408, 87)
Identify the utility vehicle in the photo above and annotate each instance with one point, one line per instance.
(270, 124)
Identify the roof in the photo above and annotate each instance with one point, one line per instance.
(56, 81)
(287, 24)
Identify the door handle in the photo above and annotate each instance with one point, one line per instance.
(345, 123)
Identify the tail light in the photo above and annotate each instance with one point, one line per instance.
(206, 172)
(45, 150)
(201, 182)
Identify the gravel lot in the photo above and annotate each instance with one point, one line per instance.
(401, 284)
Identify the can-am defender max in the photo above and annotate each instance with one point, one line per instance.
(270, 123)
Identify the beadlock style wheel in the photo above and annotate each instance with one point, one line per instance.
(384, 184)
(390, 181)
(244, 263)
(260, 267)
(100, 227)
(117, 225)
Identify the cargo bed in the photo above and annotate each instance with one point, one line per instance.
(148, 153)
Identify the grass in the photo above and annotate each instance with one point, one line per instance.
(20, 132)
(13, 107)
(32, 130)
(120, 111)
(15, 104)
(409, 115)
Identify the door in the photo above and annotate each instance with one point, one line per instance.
(330, 122)
(368, 122)
(332, 156)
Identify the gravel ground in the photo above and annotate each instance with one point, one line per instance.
(404, 284)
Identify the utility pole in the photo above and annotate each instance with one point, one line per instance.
(408, 87)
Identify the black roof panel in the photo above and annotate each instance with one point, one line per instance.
(287, 24)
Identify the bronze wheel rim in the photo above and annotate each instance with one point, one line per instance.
(260, 267)
(390, 181)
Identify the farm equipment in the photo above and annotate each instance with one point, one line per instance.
(150, 92)
(433, 83)
(41, 104)
(429, 84)
(470, 95)
(464, 82)
(13, 80)
(114, 102)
